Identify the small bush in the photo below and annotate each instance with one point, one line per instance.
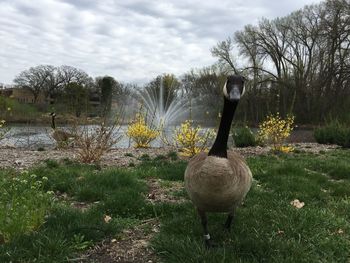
(160, 157)
(140, 132)
(11, 110)
(191, 140)
(275, 130)
(23, 204)
(3, 128)
(333, 133)
(92, 144)
(144, 158)
(243, 137)
(51, 163)
(173, 156)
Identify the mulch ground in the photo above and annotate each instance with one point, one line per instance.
(21, 159)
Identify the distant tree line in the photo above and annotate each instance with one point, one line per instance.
(72, 89)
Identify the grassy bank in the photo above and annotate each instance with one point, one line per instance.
(267, 228)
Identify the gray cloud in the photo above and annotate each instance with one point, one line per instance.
(131, 40)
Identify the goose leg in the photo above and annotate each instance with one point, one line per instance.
(229, 220)
(204, 222)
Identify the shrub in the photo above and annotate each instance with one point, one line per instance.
(333, 133)
(243, 137)
(3, 128)
(141, 133)
(144, 157)
(92, 144)
(191, 140)
(275, 130)
(23, 204)
(11, 109)
(172, 155)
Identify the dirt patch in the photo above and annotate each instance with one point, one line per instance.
(23, 159)
(131, 246)
(65, 198)
(301, 147)
(165, 191)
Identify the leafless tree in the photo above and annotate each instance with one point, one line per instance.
(33, 79)
(299, 63)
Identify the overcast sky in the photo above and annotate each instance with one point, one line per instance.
(131, 40)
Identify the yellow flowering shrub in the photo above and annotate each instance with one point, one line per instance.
(3, 128)
(191, 140)
(2, 123)
(140, 132)
(275, 130)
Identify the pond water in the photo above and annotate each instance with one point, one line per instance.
(34, 137)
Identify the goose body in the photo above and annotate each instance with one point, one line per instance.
(219, 180)
(60, 136)
(217, 184)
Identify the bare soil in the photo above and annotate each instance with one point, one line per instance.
(131, 246)
(21, 159)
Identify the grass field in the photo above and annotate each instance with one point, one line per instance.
(39, 226)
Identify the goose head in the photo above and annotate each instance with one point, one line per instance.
(234, 88)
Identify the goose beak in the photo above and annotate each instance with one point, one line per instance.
(235, 94)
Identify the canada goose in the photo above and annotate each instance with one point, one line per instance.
(60, 136)
(219, 181)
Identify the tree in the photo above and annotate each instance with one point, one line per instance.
(204, 89)
(299, 63)
(33, 79)
(107, 85)
(76, 96)
(51, 81)
(68, 74)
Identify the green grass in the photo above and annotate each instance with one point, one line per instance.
(309, 234)
(266, 229)
(23, 204)
(66, 229)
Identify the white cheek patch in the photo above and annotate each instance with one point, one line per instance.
(224, 90)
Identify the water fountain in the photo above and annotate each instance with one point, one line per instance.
(163, 107)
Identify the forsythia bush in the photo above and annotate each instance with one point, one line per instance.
(140, 133)
(275, 130)
(3, 129)
(2, 123)
(190, 139)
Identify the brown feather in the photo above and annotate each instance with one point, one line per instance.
(217, 184)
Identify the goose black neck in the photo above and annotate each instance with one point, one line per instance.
(219, 147)
(53, 125)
